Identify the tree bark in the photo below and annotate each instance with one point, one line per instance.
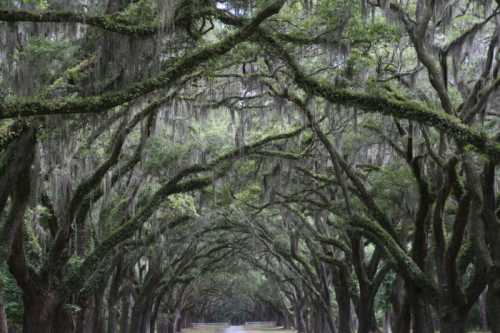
(39, 312)
(343, 298)
(387, 322)
(98, 324)
(300, 324)
(401, 308)
(124, 314)
(84, 319)
(456, 324)
(421, 319)
(493, 306)
(63, 321)
(3, 317)
(366, 315)
(113, 297)
(483, 310)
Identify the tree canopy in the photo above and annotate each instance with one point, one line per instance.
(329, 165)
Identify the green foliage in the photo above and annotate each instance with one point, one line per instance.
(391, 185)
(12, 297)
(48, 57)
(74, 263)
(182, 204)
(39, 4)
(139, 12)
(33, 243)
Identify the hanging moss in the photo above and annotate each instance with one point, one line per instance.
(396, 107)
(22, 107)
(114, 23)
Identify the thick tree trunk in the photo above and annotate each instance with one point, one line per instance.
(141, 318)
(492, 225)
(365, 315)
(39, 313)
(343, 298)
(453, 317)
(63, 321)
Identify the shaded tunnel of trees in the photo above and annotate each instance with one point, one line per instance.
(326, 164)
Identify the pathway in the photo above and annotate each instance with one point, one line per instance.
(234, 329)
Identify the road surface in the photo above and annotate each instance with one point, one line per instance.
(234, 329)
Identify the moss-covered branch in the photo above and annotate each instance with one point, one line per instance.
(373, 102)
(114, 23)
(399, 108)
(403, 262)
(184, 65)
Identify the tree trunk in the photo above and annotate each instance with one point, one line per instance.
(39, 313)
(83, 323)
(483, 310)
(321, 320)
(153, 322)
(113, 297)
(124, 314)
(163, 326)
(146, 320)
(365, 316)
(493, 306)
(98, 324)
(63, 321)
(286, 320)
(141, 318)
(136, 319)
(403, 318)
(300, 324)
(421, 319)
(455, 325)
(177, 321)
(112, 319)
(387, 322)
(343, 298)
(3, 317)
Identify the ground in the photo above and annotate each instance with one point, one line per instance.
(241, 329)
(235, 329)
